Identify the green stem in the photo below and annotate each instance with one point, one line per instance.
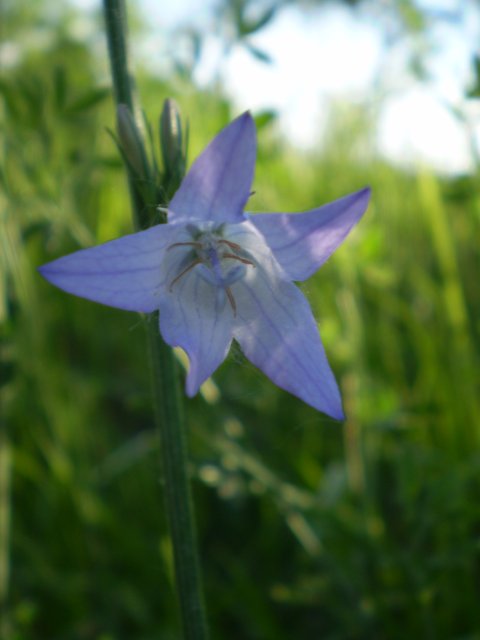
(116, 27)
(165, 384)
(176, 483)
(116, 23)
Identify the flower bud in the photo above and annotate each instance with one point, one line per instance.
(131, 142)
(171, 143)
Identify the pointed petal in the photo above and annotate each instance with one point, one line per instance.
(218, 184)
(277, 332)
(196, 318)
(123, 273)
(302, 242)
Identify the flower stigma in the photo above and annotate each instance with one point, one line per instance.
(216, 259)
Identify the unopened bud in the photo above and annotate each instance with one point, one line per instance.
(131, 141)
(172, 144)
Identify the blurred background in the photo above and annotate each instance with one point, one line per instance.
(308, 528)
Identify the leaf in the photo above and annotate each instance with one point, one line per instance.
(251, 27)
(88, 100)
(264, 118)
(34, 229)
(11, 98)
(7, 372)
(258, 53)
(60, 87)
(474, 90)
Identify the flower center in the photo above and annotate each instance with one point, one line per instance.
(216, 259)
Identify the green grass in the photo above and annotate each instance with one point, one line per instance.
(308, 528)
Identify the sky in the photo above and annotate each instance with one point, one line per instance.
(328, 54)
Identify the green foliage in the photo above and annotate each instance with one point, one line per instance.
(308, 529)
(474, 90)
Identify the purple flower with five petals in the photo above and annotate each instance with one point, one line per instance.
(216, 273)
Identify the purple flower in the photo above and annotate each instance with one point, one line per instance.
(216, 273)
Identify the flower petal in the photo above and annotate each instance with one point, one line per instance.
(277, 332)
(123, 273)
(218, 184)
(195, 317)
(302, 242)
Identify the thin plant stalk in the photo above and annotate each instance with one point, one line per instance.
(165, 385)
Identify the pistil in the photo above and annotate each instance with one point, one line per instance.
(210, 250)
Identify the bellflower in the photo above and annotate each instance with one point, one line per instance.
(216, 273)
